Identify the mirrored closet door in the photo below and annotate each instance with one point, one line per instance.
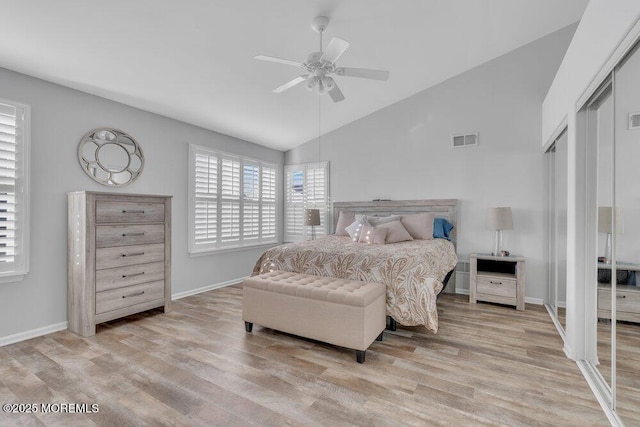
(612, 253)
(557, 228)
(626, 248)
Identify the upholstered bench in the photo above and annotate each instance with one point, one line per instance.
(342, 312)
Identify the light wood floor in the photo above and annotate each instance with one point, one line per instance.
(628, 368)
(488, 365)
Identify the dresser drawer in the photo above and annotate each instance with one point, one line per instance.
(496, 285)
(115, 299)
(627, 301)
(129, 212)
(112, 278)
(129, 255)
(131, 234)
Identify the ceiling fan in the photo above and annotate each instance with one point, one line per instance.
(319, 66)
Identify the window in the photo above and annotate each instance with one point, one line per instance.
(14, 190)
(307, 186)
(232, 201)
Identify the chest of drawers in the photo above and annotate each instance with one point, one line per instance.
(119, 257)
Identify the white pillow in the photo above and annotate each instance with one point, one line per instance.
(377, 220)
(356, 227)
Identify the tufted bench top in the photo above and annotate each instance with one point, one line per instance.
(340, 291)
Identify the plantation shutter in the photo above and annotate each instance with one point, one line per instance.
(234, 201)
(268, 193)
(230, 197)
(307, 186)
(206, 199)
(13, 190)
(251, 205)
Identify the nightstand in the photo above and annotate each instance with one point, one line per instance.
(627, 295)
(497, 279)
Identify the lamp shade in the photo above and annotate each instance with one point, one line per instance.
(605, 220)
(499, 219)
(312, 217)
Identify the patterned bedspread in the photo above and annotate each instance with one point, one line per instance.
(412, 271)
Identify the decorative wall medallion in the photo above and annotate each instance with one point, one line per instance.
(110, 157)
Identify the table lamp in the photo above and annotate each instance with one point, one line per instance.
(312, 218)
(605, 225)
(499, 219)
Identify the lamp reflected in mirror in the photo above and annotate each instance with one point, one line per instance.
(606, 217)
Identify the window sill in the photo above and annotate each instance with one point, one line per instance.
(205, 252)
(12, 277)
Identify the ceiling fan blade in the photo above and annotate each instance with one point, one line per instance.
(279, 60)
(336, 94)
(334, 50)
(290, 84)
(363, 73)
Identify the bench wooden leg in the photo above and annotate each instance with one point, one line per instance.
(392, 324)
(360, 355)
(379, 338)
(248, 326)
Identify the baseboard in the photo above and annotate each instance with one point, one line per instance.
(528, 300)
(33, 333)
(206, 288)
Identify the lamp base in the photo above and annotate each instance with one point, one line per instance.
(497, 246)
(607, 250)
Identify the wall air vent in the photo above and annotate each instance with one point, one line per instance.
(465, 140)
(634, 121)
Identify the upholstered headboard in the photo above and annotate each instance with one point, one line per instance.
(445, 208)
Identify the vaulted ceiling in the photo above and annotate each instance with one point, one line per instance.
(193, 60)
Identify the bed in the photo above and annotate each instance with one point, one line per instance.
(412, 271)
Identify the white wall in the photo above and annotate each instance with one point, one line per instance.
(60, 117)
(404, 151)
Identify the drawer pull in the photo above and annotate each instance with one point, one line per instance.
(138, 211)
(132, 275)
(136, 254)
(133, 295)
(495, 283)
(132, 234)
(621, 296)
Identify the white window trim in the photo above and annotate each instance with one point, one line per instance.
(324, 208)
(220, 248)
(23, 217)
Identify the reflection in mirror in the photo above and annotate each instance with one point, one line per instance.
(557, 202)
(113, 157)
(110, 157)
(626, 240)
(603, 109)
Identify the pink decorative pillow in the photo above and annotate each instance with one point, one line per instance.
(372, 235)
(419, 225)
(344, 220)
(396, 232)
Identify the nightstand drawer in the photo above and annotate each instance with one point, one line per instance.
(627, 301)
(496, 285)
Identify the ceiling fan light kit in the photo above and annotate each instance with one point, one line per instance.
(319, 66)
